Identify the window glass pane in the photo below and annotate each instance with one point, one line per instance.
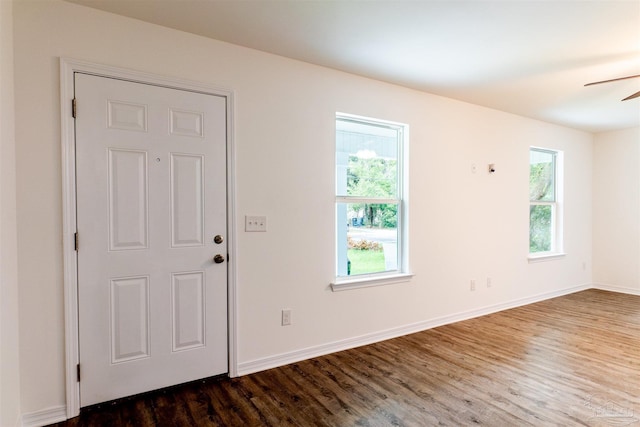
(369, 155)
(541, 176)
(540, 228)
(371, 237)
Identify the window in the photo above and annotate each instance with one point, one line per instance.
(369, 198)
(544, 202)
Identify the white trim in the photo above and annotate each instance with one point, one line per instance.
(348, 343)
(355, 282)
(618, 289)
(232, 231)
(67, 69)
(378, 122)
(70, 260)
(44, 417)
(544, 256)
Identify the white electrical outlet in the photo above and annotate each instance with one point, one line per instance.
(286, 317)
(255, 223)
(488, 282)
(472, 286)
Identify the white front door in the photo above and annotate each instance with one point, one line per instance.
(151, 217)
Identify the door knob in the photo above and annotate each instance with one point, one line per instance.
(218, 239)
(218, 259)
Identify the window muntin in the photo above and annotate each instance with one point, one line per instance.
(543, 201)
(368, 197)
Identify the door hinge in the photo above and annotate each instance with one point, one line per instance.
(75, 241)
(78, 371)
(74, 108)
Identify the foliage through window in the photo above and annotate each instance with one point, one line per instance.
(543, 201)
(368, 196)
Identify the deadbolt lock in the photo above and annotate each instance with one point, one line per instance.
(218, 239)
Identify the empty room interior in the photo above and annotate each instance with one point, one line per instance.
(319, 212)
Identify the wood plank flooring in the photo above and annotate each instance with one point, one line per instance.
(568, 361)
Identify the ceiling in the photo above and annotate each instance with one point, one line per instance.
(530, 58)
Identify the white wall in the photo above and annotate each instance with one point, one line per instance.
(9, 364)
(616, 209)
(462, 225)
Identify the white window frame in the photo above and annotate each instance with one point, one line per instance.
(402, 273)
(557, 241)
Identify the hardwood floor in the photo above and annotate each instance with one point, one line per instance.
(568, 361)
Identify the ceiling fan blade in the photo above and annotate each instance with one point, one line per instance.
(635, 95)
(613, 80)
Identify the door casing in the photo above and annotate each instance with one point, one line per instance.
(70, 268)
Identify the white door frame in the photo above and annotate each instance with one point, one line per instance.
(67, 69)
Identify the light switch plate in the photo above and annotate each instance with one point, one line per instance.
(255, 223)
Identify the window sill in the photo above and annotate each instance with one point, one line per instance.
(368, 281)
(545, 256)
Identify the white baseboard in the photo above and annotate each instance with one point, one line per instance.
(282, 359)
(45, 417)
(619, 289)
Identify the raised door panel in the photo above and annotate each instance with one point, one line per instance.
(188, 310)
(128, 200)
(126, 116)
(129, 318)
(187, 203)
